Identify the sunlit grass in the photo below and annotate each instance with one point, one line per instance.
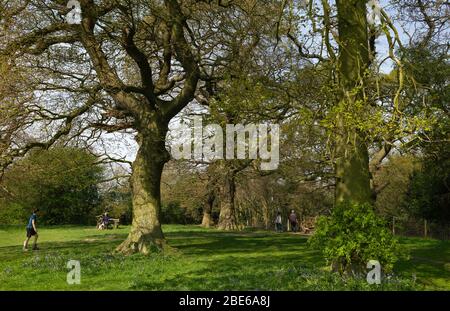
(204, 259)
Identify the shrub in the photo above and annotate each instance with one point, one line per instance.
(13, 213)
(61, 182)
(173, 213)
(352, 236)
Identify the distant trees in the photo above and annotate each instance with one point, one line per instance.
(428, 194)
(182, 190)
(426, 62)
(394, 179)
(62, 182)
(116, 200)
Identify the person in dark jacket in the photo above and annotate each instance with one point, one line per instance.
(293, 221)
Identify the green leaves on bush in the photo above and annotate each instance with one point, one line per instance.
(352, 236)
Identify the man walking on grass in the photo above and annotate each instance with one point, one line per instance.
(31, 230)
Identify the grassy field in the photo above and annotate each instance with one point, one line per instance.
(202, 259)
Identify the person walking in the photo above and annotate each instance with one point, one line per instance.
(31, 231)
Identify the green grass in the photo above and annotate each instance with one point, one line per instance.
(204, 259)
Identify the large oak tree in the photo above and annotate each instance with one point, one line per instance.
(128, 65)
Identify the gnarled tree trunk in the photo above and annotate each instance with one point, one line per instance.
(207, 220)
(211, 196)
(146, 234)
(227, 216)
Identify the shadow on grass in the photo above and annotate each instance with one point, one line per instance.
(234, 261)
(429, 261)
(94, 244)
(217, 260)
(216, 243)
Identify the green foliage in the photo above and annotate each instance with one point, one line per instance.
(429, 194)
(61, 182)
(12, 212)
(429, 68)
(352, 236)
(117, 201)
(174, 213)
(393, 178)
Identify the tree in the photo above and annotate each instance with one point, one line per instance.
(117, 201)
(182, 191)
(369, 113)
(394, 178)
(428, 195)
(129, 64)
(61, 182)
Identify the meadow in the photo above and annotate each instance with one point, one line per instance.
(201, 259)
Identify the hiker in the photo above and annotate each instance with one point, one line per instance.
(278, 224)
(293, 221)
(31, 231)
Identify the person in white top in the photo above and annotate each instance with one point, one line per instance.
(278, 223)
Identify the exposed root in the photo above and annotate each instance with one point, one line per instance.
(142, 243)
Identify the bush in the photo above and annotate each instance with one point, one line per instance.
(352, 236)
(173, 213)
(12, 213)
(61, 182)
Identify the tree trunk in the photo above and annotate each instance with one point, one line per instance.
(352, 173)
(207, 219)
(211, 196)
(227, 216)
(352, 157)
(146, 234)
(425, 229)
(266, 212)
(207, 210)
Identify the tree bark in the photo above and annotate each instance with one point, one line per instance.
(211, 196)
(352, 172)
(207, 210)
(352, 157)
(207, 219)
(227, 216)
(146, 235)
